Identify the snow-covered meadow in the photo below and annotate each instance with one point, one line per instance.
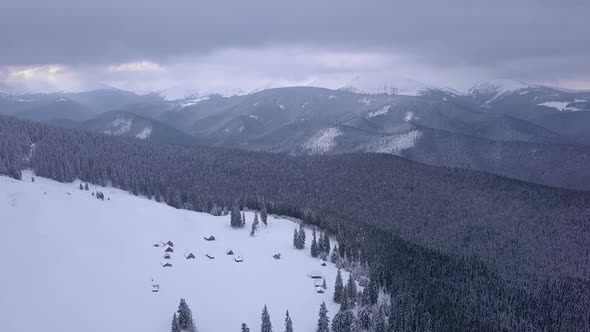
(74, 263)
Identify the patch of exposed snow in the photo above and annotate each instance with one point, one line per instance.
(241, 129)
(366, 101)
(323, 141)
(580, 100)
(119, 126)
(382, 111)
(194, 101)
(409, 116)
(145, 133)
(395, 144)
(282, 107)
(331, 97)
(444, 99)
(559, 105)
(256, 104)
(61, 100)
(253, 116)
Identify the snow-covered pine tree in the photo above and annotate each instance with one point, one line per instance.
(335, 256)
(244, 328)
(323, 320)
(344, 321)
(371, 292)
(235, 218)
(365, 317)
(243, 219)
(339, 295)
(185, 317)
(175, 327)
(265, 325)
(324, 286)
(288, 323)
(264, 214)
(302, 236)
(314, 245)
(326, 244)
(86, 186)
(81, 186)
(253, 229)
(380, 320)
(350, 291)
(295, 238)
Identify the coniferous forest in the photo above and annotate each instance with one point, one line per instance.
(457, 250)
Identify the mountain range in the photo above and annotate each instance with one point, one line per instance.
(528, 132)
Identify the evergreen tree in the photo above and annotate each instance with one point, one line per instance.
(302, 236)
(326, 244)
(334, 257)
(295, 238)
(81, 187)
(254, 224)
(323, 320)
(175, 327)
(244, 328)
(86, 186)
(350, 292)
(371, 292)
(185, 317)
(365, 317)
(380, 321)
(265, 326)
(344, 321)
(324, 286)
(243, 221)
(264, 214)
(288, 323)
(314, 245)
(339, 295)
(235, 218)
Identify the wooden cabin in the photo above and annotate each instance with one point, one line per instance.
(170, 244)
(315, 275)
(238, 259)
(209, 238)
(167, 265)
(209, 256)
(166, 256)
(277, 256)
(155, 288)
(229, 252)
(189, 256)
(169, 249)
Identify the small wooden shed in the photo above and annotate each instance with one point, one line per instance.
(189, 256)
(209, 238)
(209, 256)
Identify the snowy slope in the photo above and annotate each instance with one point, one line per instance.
(74, 263)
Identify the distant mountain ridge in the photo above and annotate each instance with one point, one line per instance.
(490, 127)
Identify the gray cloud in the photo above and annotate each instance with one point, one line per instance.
(530, 40)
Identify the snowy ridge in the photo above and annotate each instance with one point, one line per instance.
(394, 144)
(119, 126)
(144, 133)
(382, 111)
(323, 141)
(92, 263)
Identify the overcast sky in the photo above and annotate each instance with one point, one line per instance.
(146, 45)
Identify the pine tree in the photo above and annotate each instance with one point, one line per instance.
(295, 238)
(185, 317)
(288, 323)
(302, 236)
(235, 218)
(175, 327)
(371, 292)
(380, 321)
(339, 288)
(254, 224)
(335, 255)
(243, 223)
(86, 186)
(264, 214)
(314, 245)
(365, 317)
(81, 187)
(350, 292)
(344, 321)
(244, 328)
(326, 244)
(324, 286)
(265, 326)
(323, 320)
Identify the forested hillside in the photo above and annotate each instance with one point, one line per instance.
(472, 250)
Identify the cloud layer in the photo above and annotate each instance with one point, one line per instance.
(296, 41)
